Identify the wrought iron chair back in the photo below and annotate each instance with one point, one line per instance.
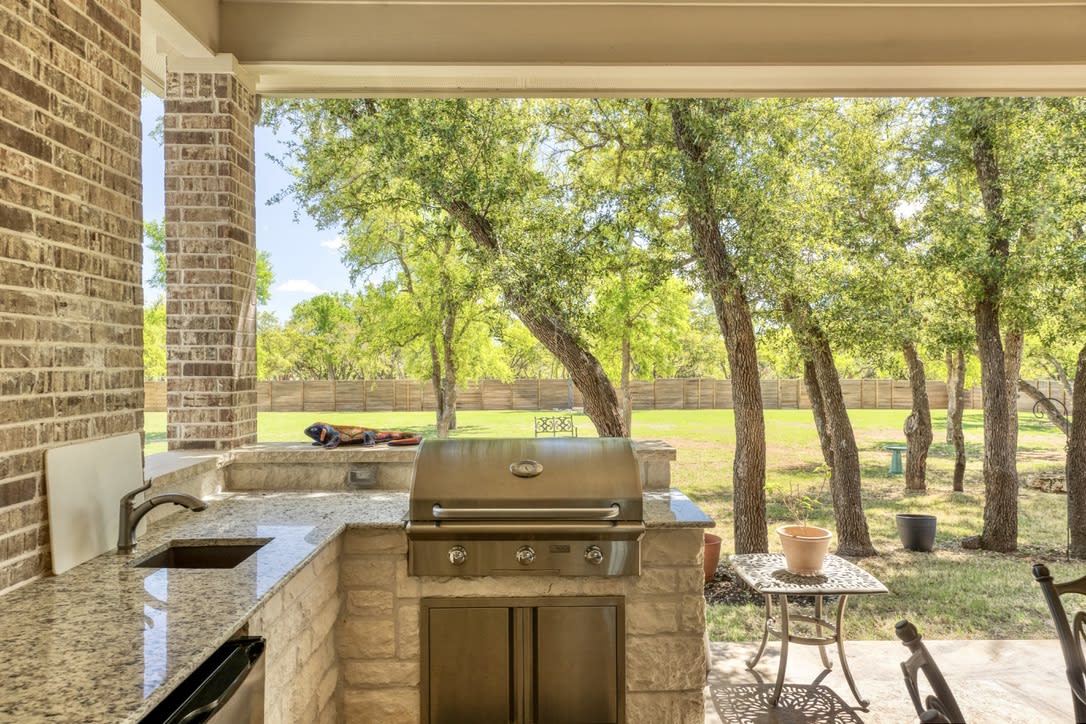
(940, 707)
(555, 425)
(1072, 632)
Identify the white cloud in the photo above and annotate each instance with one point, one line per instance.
(336, 243)
(299, 285)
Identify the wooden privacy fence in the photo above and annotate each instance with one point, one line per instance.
(663, 394)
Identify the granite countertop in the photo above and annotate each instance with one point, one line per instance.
(672, 509)
(105, 642)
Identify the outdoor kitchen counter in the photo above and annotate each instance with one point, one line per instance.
(105, 642)
(672, 509)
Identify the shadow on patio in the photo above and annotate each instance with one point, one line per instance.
(1005, 681)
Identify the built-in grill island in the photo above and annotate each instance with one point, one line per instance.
(565, 506)
(552, 507)
(553, 581)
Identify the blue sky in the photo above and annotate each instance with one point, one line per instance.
(305, 259)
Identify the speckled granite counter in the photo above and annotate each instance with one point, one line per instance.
(105, 642)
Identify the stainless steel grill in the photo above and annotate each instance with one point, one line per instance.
(566, 506)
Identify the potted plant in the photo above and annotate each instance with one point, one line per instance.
(804, 545)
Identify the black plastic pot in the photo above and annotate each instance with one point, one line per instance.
(916, 531)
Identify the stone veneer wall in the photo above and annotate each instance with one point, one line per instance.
(71, 319)
(377, 636)
(210, 261)
(298, 622)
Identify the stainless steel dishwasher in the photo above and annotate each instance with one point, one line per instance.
(228, 688)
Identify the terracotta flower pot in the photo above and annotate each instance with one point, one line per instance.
(712, 555)
(805, 548)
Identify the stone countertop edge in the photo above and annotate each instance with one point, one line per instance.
(162, 469)
(672, 509)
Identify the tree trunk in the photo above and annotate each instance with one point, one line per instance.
(955, 408)
(1000, 466)
(624, 383)
(600, 401)
(818, 411)
(918, 432)
(439, 392)
(1057, 371)
(1051, 411)
(853, 537)
(449, 375)
(1000, 531)
(736, 325)
(1076, 462)
(1013, 346)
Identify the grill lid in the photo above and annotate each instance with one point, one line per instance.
(526, 479)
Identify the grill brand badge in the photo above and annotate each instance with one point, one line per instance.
(526, 468)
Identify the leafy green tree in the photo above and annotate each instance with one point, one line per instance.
(438, 300)
(986, 210)
(605, 152)
(154, 341)
(326, 328)
(481, 164)
(713, 187)
(811, 184)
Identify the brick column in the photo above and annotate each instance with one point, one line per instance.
(71, 320)
(210, 261)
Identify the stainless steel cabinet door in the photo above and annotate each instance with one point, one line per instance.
(576, 665)
(470, 666)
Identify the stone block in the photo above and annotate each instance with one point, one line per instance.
(366, 638)
(407, 631)
(665, 663)
(654, 580)
(651, 615)
(370, 604)
(692, 614)
(680, 707)
(674, 546)
(406, 586)
(367, 573)
(381, 672)
(387, 706)
(360, 542)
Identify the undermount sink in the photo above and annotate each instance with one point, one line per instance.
(202, 554)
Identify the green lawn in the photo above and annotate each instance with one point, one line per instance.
(949, 593)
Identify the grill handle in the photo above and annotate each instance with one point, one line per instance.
(608, 513)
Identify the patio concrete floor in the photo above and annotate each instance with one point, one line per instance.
(993, 681)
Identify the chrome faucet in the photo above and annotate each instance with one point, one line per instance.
(132, 515)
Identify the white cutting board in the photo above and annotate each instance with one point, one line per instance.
(85, 483)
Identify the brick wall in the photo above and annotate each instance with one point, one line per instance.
(71, 337)
(210, 261)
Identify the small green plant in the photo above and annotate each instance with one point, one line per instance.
(802, 504)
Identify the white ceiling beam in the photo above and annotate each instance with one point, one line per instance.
(675, 81)
(632, 47)
(516, 33)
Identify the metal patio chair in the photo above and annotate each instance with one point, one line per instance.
(1072, 632)
(940, 707)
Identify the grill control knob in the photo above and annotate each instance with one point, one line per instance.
(593, 555)
(525, 555)
(458, 555)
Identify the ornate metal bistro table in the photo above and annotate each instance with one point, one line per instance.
(766, 574)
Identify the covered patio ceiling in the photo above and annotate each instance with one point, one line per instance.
(623, 47)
